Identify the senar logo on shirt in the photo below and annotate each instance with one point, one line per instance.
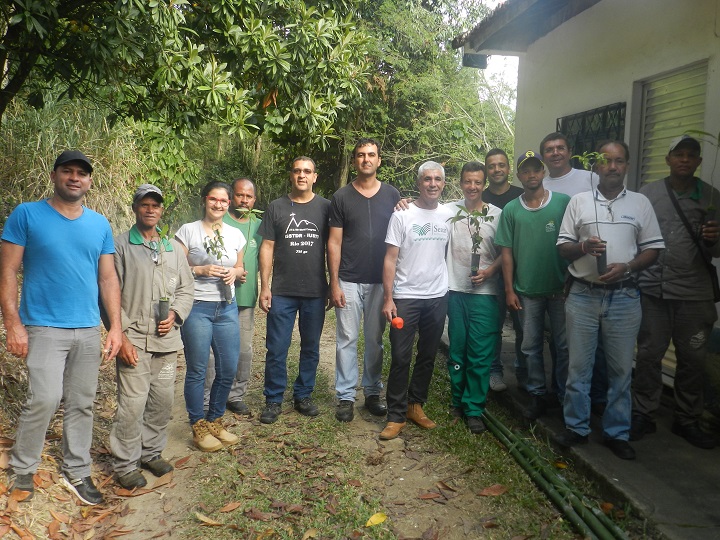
(429, 230)
(550, 226)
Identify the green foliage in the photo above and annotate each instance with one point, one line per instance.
(283, 67)
(589, 159)
(473, 220)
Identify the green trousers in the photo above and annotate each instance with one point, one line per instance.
(473, 330)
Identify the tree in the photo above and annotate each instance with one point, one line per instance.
(282, 68)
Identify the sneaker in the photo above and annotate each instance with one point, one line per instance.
(694, 435)
(133, 479)
(496, 382)
(83, 488)
(475, 425)
(218, 431)
(203, 439)
(375, 406)
(22, 487)
(621, 449)
(640, 426)
(158, 466)
(271, 413)
(238, 407)
(345, 411)
(306, 407)
(536, 409)
(569, 438)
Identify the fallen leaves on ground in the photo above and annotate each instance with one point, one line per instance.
(207, 521)
(376, 519)
(493, 491)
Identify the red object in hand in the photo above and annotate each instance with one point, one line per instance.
(397, 322)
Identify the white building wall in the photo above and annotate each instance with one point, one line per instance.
(595, 58)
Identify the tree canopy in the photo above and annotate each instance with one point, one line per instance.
(283, 67)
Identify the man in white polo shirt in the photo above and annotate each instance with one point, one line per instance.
(604, 303)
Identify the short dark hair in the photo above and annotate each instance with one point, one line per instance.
(366, 141)
(496, 152)
(606, 142)
(244, 179)
(552, 137)
(216, 184)
(303, 158)
(472, 166)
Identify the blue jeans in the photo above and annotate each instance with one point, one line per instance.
(533, 321)
(520, 363)
(614, 316)
(210, 324)
(280, 323)
(363, 303)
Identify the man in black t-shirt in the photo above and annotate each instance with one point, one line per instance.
(359, 216)
(294, 231)
(500, 192)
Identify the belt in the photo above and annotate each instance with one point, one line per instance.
(628, 283)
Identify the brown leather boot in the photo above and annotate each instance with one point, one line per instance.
(415, 414)
(391, 431)
(203, 439)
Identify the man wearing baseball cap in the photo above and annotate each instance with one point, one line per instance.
(534, 274)
(677, 296)
(65, 251)
(151, 267)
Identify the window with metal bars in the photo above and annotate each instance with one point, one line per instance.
(586, 129)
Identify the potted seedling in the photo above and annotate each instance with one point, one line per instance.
(473, 220)
(216, 247)
(164, 304)
(588, 161)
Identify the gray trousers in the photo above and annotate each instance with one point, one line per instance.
(144, 409)
(246, 322)
(688, 323)
(62, 364)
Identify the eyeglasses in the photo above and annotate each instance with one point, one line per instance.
(306, 171)
(220, 202)
(154, 253)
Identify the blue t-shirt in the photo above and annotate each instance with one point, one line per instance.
(60, 264)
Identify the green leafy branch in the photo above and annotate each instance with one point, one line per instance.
(244, 213)
(473, 220)
(216, 246)
(589, 159)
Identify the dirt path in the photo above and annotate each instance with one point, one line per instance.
(426, 495)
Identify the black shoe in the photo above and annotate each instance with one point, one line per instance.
(271, 413)
(238, 407)
(133, 479)
(83, 488)
(536, 408)
(694, 435)
(306, 407)
(475, 425)
(158, 466)
(22, 483)
(375, 406)
(457, 412)
(620, 448)
(345, 411)
(569, 438)
(640, 426)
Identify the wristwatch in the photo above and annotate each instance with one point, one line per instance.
(192, 271)
(628, 272)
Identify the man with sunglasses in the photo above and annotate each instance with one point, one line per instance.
(150, 266)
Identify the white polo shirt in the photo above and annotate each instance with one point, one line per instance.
(627, 223)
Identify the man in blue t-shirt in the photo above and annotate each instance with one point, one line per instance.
(66, 253)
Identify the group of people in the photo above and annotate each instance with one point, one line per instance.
(607, 267)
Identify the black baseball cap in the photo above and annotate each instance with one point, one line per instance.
(73, 155)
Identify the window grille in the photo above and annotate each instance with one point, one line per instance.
(586, 129)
